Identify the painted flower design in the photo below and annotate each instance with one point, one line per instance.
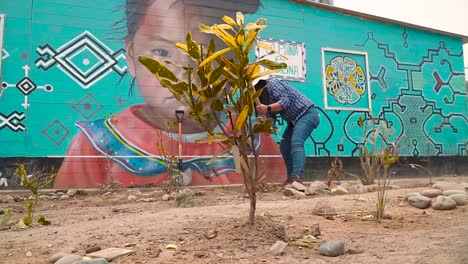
(345, 80)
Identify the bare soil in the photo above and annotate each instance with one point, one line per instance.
(215, 230)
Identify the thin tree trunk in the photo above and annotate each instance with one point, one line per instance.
(253, 206)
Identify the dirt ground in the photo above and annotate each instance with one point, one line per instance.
(215, 230)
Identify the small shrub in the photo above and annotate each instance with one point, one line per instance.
(335, 172)
(35, 181)
(175, 180)
(6, 219)
(184, 199)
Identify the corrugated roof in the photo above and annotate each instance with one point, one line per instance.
(379, 19)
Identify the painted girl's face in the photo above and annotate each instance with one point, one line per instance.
(165, 23)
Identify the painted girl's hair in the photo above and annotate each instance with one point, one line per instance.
(135, 10)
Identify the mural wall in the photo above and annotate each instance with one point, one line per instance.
(73, 94)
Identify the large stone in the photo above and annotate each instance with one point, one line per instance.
(332, 248)
(419, 201)
(92, 261)
(444, 185)
(431, 193)
(318, 185)
(459, 198)
(339, 190)
(450, 192)
(278, 248)
(68, 259)
(56, 257)
(298, 186)
(357, 189)
(444, 203)
(110, 253)
(292, 192)
(408, 195)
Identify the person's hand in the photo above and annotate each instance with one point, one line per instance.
(262, 109)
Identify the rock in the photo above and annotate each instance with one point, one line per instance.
(111, 253)
(356, 189)
(72, 192)
(68, 259)
(131, 198)
(56, 257)
(318, 185)
(408, 195)
(431, 193)
(92, 261)
(443, 203)
(450, 192)
(371, 188)
(459, 198)
(291, 192)
(325, 209)
(64, 197)
(278, 248)
(7, 199)
(166, 197)
(315, 230)
(339, 190)
(29, 254)
(332, 248)
(419, 201)
(92, 249)
(443, 185)
(147, 200)
(298, 186)
(21, 225)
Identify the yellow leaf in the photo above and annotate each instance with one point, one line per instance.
(171, 247)
(241, 118)
(239, 18)
(229, 20)
(214, 56)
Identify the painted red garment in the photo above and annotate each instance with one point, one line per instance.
(82, 169)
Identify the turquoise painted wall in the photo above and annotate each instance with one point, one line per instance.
(64, 61)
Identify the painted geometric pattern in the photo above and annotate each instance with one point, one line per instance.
(56, 132)
(88, 106)
(85, 59)
(12, 121)
(26, 86)
(4, 54)
(345, 80)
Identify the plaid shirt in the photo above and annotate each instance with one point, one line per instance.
(294, 103)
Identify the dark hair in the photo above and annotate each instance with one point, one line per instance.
(265, 96)
(135, 10)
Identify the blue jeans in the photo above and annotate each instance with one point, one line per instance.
(292, 143)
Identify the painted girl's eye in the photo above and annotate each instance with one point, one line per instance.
(161, 52)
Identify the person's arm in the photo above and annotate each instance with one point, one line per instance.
(274, 108)
(79, 169)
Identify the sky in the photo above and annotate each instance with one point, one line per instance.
(446, 15)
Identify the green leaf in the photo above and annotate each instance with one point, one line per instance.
(43, 221)
(193, 47)
(27, 220)
(269, 64)
(206, 29)
(157, 68)
(217, 105)
(360, 122)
